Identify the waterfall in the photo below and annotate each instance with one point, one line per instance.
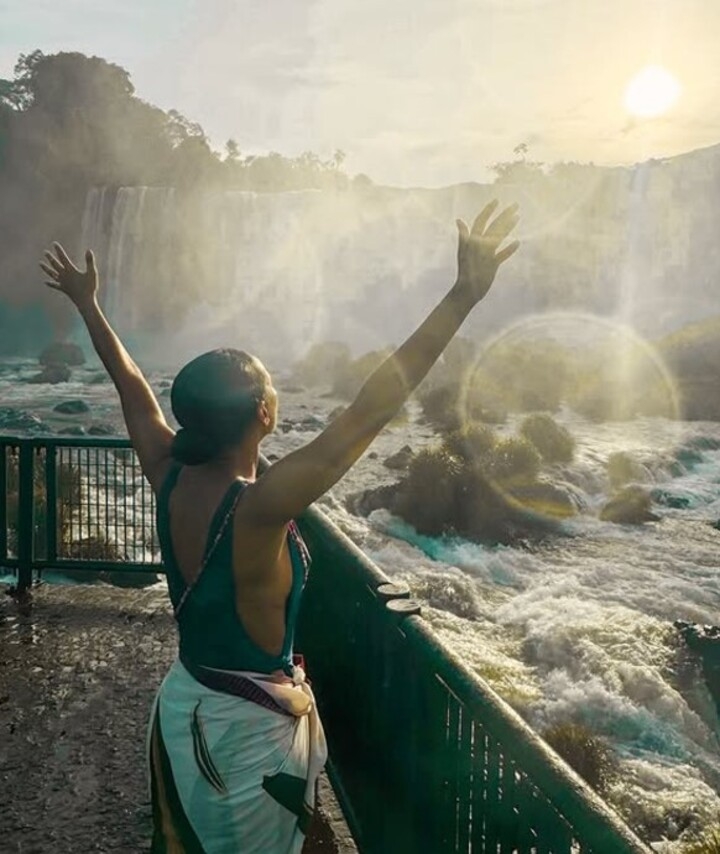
(272, 273)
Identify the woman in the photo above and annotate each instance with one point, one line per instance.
(234, 743)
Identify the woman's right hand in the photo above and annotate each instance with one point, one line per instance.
(478, 255)
(80, 287)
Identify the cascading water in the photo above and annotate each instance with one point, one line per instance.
(273, 271)
(276, 272)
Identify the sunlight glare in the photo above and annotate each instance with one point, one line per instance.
(651, 92)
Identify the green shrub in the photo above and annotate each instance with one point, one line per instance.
(553, 442)
(513, 459)
(471, 444)
(426, 498)
(632, 505)
(623, 469)
(440, 406)
(583, 751)
(532, 374)
(452, 406)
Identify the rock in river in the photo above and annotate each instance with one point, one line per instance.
(62, 353)
(631, 506)
(72, 407)
(52, 374)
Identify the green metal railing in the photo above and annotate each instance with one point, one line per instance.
(425, 757)
(74, 504)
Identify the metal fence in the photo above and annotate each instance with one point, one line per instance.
(425, 757)
(74, 505)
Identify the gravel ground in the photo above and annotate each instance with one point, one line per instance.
(79, 666)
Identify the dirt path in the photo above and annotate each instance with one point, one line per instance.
(79, 667)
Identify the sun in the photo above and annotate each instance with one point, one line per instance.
(651, 92)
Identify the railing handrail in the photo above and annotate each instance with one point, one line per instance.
(570, 796)
(574, 799)
(44, 441)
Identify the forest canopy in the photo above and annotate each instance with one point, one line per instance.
(76, 118)
(70, 122)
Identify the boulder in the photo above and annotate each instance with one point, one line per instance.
(400, 460)
(631, 506)
(545, 498)
(310, 423)
(12, 420)
(101, 430)
(62, 353)
(72, 430)
(72, 407)
(669, 499)
(363, 503)
(623, 469)
(52, 374)
(705, 641)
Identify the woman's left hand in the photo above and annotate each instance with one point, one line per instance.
(65, 277)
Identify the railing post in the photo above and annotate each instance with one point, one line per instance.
(3, 501)
(26, 521)
(51, 497)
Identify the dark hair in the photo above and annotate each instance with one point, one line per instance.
(214, 398)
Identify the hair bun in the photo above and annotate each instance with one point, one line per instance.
(193, 448)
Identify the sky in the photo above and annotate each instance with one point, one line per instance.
(415, 92)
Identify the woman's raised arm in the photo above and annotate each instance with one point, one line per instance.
(295, 481)
(149, 432)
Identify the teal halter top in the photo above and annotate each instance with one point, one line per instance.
(211, 633)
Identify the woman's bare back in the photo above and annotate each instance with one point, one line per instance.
(262, 566)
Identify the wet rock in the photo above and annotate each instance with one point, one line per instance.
(62, 353)
(400, 460)
(101, 430)
(688, 457)
(72, 430)
(373, 455)
(705, 641)
(545, 498)
(623, 469)
(98, 379)
(631, 506)
(668, 499)
(363, 503)
(52, 374)
(17, 420)
(72, 407)
(310, 424)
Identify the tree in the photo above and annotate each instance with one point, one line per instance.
(232, 150)
(518, 171)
